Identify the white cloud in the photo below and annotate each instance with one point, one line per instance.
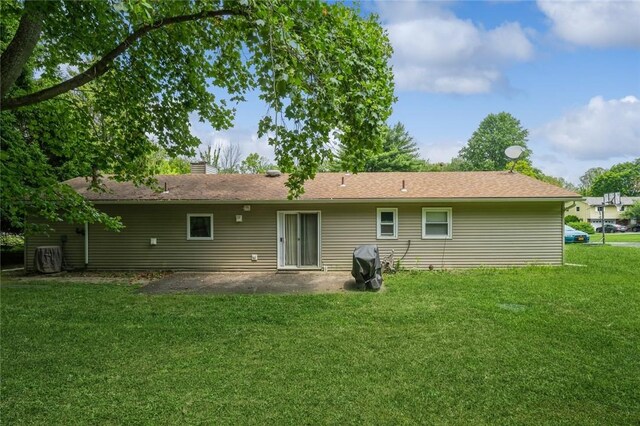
(601, 130)
(441, 152)
(246, 138)
(595, 23)
(434, 51)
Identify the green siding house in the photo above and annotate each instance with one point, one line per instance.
(217, 222)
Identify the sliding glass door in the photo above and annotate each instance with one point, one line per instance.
(290, 240)
(298, 240)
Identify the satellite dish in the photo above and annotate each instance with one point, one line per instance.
(514, 152)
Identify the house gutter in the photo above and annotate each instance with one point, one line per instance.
(563, 210)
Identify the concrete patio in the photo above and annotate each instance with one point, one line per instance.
(252, 283)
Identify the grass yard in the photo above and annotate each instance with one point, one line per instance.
(629, 237)
(537, 345)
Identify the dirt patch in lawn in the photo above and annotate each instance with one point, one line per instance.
(252, 283)
(88, 277)
(166, 282)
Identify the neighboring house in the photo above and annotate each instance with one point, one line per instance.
(245, 222)
(590, 210)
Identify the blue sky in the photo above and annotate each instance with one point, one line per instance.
(569, 71)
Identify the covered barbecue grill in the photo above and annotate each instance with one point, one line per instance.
(367, 269)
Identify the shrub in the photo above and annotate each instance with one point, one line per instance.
(571, 219)
(11, 248)
(582, 226)
(10, 242)
(399, 265)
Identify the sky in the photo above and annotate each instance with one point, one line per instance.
(568, 70)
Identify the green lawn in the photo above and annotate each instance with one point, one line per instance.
(537, 345)
(617, 237)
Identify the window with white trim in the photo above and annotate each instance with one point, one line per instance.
(387, 223)
(199, 226)
(436, 223)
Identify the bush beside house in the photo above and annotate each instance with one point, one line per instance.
(582, 226)
(571, 218)
(11, 249)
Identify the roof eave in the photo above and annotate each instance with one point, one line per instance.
(343, 200)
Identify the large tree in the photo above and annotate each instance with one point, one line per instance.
(623, 178)
(162, 164)
(123, 78)
(633, 211)
(526, 168)
(255, 163)
(587, 179)
(455, 165)
(485, 148)
(399, 153)
(224, 159)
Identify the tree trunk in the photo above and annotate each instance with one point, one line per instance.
(20, 48)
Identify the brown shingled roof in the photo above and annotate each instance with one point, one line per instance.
(327, 186)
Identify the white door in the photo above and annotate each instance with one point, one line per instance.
(298, 240)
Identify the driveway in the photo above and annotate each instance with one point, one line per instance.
(252, 283)
(625, 244)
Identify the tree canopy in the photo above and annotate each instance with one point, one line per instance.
(633, 211)
(93, 88)
(623, 178)
(485, 148)
(226, 159)
(587, 179)
(524, 167)
(162, 164)
(399, 153)
(255, 163)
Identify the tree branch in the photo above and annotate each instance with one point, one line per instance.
(102, 66)
(21, 47)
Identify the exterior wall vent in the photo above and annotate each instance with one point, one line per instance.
(273, 173)
(202, 168)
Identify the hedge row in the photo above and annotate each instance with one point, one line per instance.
(582, 226)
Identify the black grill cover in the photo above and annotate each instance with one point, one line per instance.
(367, 269)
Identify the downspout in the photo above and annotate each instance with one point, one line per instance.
(86, 244)
(24, 254)
(562, 211)
(26, 245)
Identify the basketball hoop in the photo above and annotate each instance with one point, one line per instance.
(612, 198)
